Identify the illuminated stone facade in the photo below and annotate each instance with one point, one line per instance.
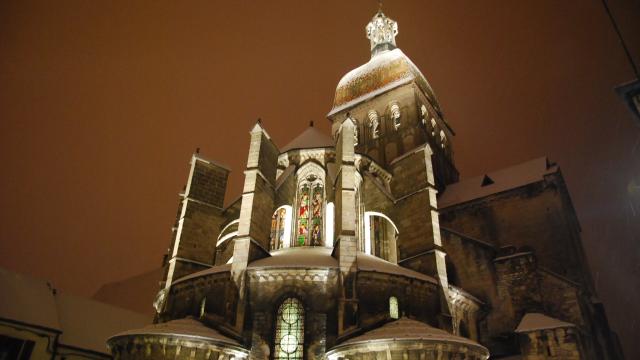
(364, 244)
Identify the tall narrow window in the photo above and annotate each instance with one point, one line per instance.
(289, 340)
(303, 216)
(374, 124)
(278, 221)
(395, 115)
(310, 213)
(393, 307)
(316, 215)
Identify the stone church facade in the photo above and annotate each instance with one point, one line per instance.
(364, 244)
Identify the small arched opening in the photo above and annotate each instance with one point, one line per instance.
(380, 235)
(281, 228)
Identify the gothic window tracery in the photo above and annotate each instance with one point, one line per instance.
(289, 339)
(310, 212)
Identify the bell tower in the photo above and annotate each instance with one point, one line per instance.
(393, 105)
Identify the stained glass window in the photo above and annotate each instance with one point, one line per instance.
(277, 228)
(303, 216)
(289, 340)
(310, 210)
(393, 307)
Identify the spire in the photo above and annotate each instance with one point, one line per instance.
(381, 32)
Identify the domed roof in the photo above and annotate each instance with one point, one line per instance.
(385, 71)
(309, 139)
(187, 327)
(408, 329)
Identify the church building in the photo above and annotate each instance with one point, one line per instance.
(364, 244)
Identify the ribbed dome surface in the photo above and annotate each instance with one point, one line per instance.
(187, 327)
(383, 72)
(407, 329)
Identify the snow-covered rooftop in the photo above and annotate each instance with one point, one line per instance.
(28, 300)
(408, 329)
(187, 327)
(34, 302)
(310, 138)
(499, 181)
(537, 321)
(106, 320)
(298, 257)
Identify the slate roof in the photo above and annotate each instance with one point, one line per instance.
(408, 329)
(537, 321)
(502, 180)
(310, 138)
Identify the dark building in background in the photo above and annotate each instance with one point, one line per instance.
(363, 244)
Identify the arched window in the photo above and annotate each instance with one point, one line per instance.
(395, 115)
(310, 210)
(434, 127)
(443, 139)
(374, 124)
(203, 307)
(289, 340)
(423, 115)
(393, 308)
(281, 228)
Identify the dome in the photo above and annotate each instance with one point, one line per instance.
(385, 71)
(168, 337)
(405, 330)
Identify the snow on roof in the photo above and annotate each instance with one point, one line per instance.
(408, 329)
(537, 321)
(28, 300)
(35, 302)
(187, 327)
(211, 270)
(309, 139)
(320, 257)
(383, 72)
(373, 263)
(298, 257)
(105, 320)
(503, 180)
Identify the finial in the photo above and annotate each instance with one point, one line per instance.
(311, 123)
(197, 150)
(259, 121)
(380, 6)
(381, 32)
